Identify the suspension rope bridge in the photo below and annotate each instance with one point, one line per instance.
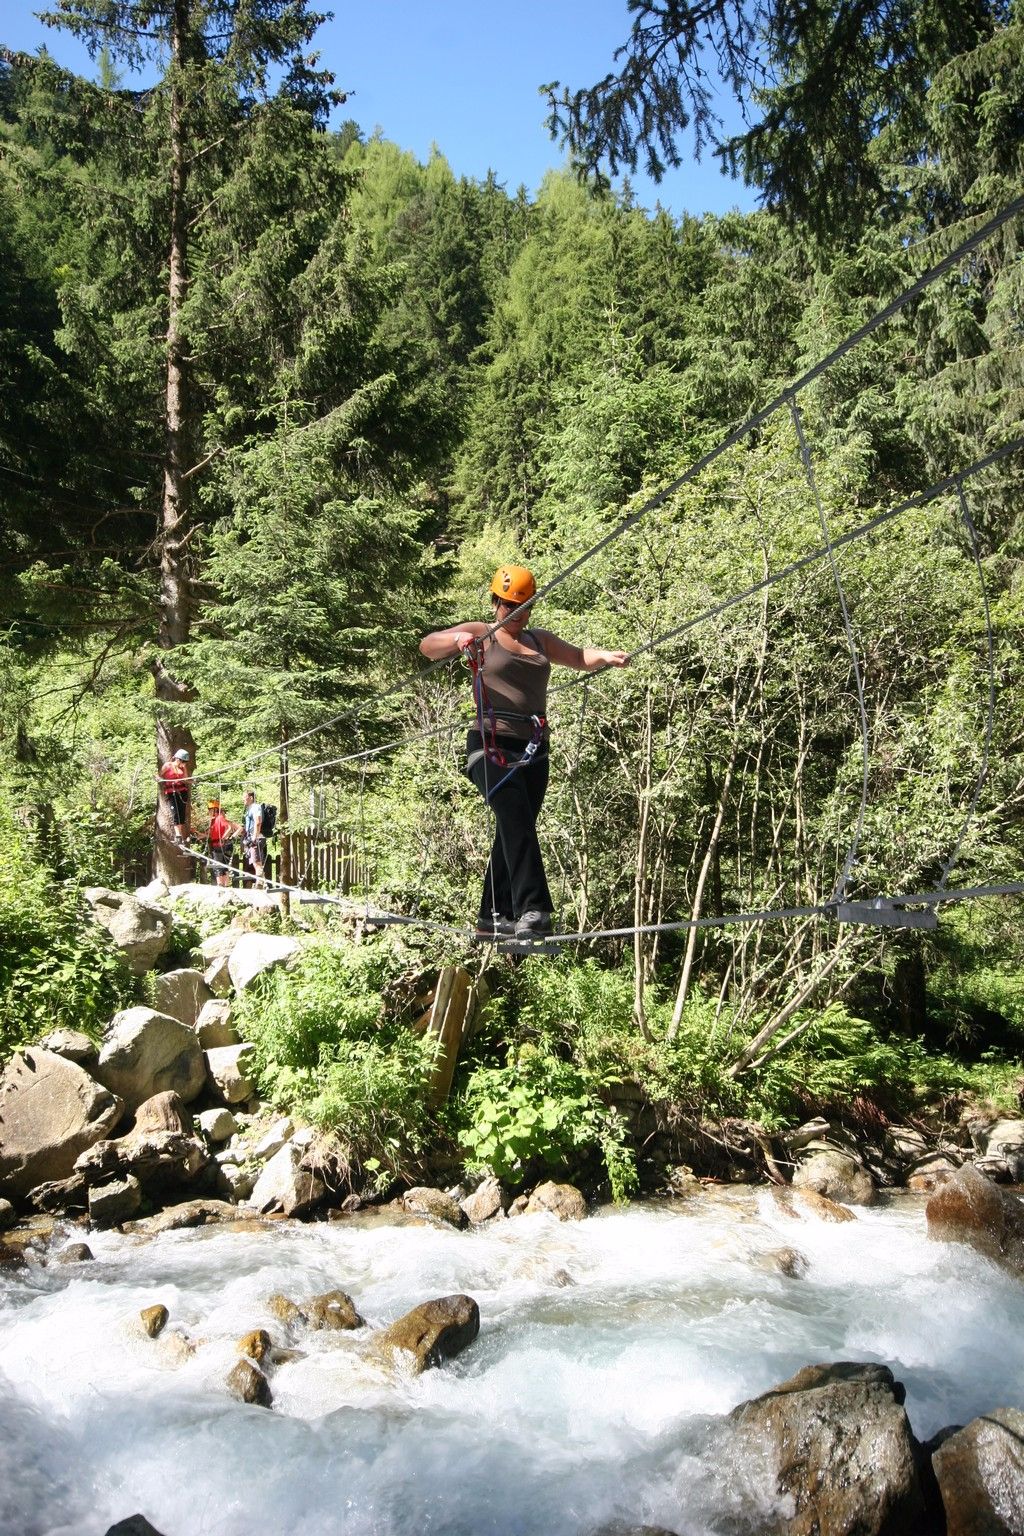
(913, 909)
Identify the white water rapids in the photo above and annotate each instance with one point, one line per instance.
(577, 1405)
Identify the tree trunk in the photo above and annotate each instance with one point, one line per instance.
(285, 868)
(175, 606)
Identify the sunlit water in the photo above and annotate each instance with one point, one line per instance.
(578, 1405)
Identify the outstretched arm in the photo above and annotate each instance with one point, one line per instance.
(584, 658)
(449, 642)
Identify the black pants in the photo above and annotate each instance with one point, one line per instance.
(515, 881)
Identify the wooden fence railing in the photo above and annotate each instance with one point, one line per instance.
(320, 861)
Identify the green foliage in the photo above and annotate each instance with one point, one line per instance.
(58, 968)
(539, 1110)
(328, 1045)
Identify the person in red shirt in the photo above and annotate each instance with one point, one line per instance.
(176, 783)
(221, 838)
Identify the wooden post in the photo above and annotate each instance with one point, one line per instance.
(450, 1015)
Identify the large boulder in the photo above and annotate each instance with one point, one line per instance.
(828, 1453)
(285, 1185)
(837, 1176)
(431, 1333)
(111, 1204)
(214, 1026)
(50, 1112)
(142, 931)
(228, 1067)
(163, 1112)
(162, 1162)
(258, 952)
(807, 1202)
(980, 1473)
(145, 1052)
(181, 995)
(488, 1202)
(561, 1200)
(968, 1208)
(1000, 1148)
(425, 1201)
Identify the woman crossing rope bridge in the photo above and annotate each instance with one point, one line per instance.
(507, 751)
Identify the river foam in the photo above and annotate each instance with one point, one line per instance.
(606, 1348)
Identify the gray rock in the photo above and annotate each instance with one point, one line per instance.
(1000, 1148)
(110, 1204)
(50, 1112)
(72, 1044)
(135, 1525)
(142, 931)
(154, 1319)
(832, 1453)
(487, 1202)
(218, 978)
(258, 952)
(836, 1176)
(333, 1311)
(274, 1139)
(75, 1253)
(181, 995)
(163, 1112)
(217, 946)
(227, 1067)
(424, 1201)
(807, 1202)
(930, 1171)
(71, 1194)
(980, 1473)
(431, 1333)
(969, 1208)
(217, 1125)
(247, 1381)
(8, 1215)
(285, 1185)
(235, 1182)
(214, 1026)
(162, 1161)
(145, 1052)
(190, 1213)
(562, 1200)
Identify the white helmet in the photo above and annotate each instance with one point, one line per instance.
(181, 755)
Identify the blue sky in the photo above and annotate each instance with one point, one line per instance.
(461, 74)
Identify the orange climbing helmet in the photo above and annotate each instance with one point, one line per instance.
(513, 584)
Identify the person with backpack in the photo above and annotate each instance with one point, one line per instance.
(176, 785)
(221, 840)
(254, 820)
(507, 753)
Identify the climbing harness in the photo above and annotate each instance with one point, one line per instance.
(487, 726)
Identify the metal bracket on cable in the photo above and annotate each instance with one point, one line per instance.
(881, 913)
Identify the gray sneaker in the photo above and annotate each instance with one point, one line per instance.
(533, 925)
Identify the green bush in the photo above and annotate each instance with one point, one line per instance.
(328, 1045)
(58, 968)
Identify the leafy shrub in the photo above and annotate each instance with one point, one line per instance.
(539, 1109)
(328, 1045)
(58, 968)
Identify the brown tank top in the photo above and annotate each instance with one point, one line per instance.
(517, 686)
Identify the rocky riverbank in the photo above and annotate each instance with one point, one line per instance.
(159, 1129)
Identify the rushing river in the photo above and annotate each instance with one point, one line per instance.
(580, 1403)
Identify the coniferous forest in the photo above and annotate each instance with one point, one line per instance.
(276, 399)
